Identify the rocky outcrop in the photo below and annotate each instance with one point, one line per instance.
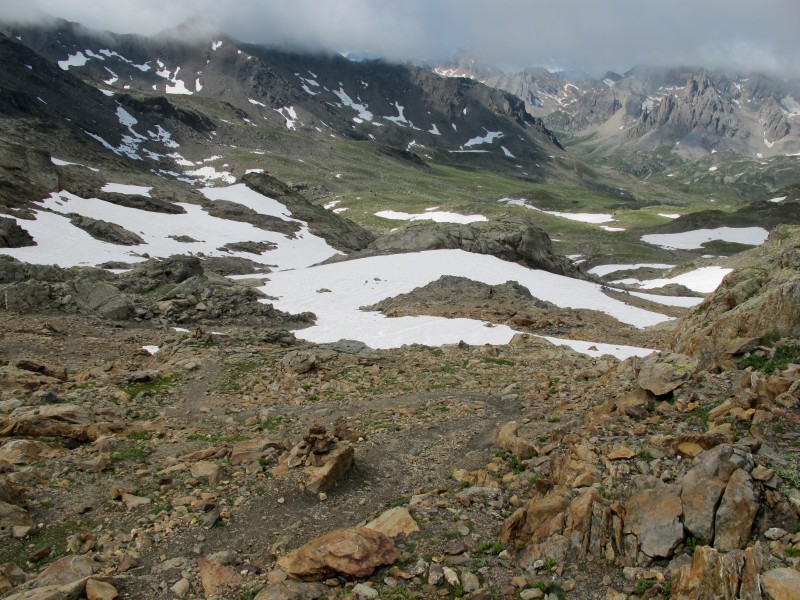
(761, 297)
(516, 239)
(12, 235)
(105, 231)
(339, 232)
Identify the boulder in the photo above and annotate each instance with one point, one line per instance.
(217, 578)
(506, 438)
(336, 463)
(352, 552)
(59, 420)
(723, 576)
(781, 584)
(293, 590)
(653, 517)
(736, 512)
(66, 570)
(394, 522)
(105, 231)
(12, 516)
(661, 374)
(100, 590)
(102, 298)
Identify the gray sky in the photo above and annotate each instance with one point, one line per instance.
(594, 35)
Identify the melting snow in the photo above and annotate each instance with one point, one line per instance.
(63, 163)
(400, 119)
(208, 174)
(290, 116)
(73, 60)
(434, 130)
(669, 215)
(178, 87)
(365, 281)
(151, 349)
(712, 169)
(256, 102)
(507, 152)
(437, 216)
(679, 301)
(123, 188)
(361, 109)
(596, 349)
(778, 199)
(691, 240)
(59, 242)
(216, 45)
(607, 228)
(486, 139)
(594, 218)
(703, 280)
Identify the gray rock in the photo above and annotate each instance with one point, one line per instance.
(515, 239)
(103, 299)
(736, 513)
(653, 516)
(14, 236)
(661, 374)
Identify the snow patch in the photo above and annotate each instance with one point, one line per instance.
(593, 218)
(288, 113)
(346, 100)
(778, 199)
(692, 240)
(437, 216)
(129, 190)
(73, 60)
(703, 280)
(602, 270)
(507, 152)
(486, 139)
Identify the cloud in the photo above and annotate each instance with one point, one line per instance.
(595, 35)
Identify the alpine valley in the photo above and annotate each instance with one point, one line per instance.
(292, 325)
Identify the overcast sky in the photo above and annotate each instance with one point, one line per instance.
(594, 35)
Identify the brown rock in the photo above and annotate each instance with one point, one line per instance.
(535, 522)
(781, 584)
(25, 452)
(12, 516)
(60, 420)
(66, 570)
(709, 575)
(206, 469)
(736, 512)
(506, 438)
(700, 497)
(352, 552)
(292, 590)
(337, 462)
(653, 516)
(100, 590)
(394, 522)
(217, 578)
(621, 452)
(132, 501)
(661, 374)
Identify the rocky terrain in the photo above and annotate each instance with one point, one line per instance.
(227, 459)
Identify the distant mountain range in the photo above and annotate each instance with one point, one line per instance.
(693, 110)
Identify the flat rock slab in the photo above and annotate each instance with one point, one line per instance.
(352, 552)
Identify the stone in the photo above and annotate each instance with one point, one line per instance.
(621, 452)
(60, 420)
(450, 576)
(781, 584)
(217, 578)
(506, 438)
(709, 575)
(351, 552)
(181, 587)
(469, 582)
(435, 574)
(292, 590)
(336, 464)
(534, 522)
(25, 452)
(66, 570)
(132, 501)
(653, 516)
(206, 469)
(736, 512)
(690, 449)
(364, 592)
(100, 590)
(700, 496)
(664, 373)
(13, 516)
(394, 522)
(531, 594)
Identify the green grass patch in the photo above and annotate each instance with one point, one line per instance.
(17, 550)
(497, 361)
(784, 355)
(490, 548)
(131, 453)
(150, 387)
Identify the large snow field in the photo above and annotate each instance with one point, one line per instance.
(356, 283)
(59, 242)
(692, 240)
(703, 280)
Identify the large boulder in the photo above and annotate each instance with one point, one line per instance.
(661, 374)
(102, 298)
(653, 522)
(353, 552)
(105, 231)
